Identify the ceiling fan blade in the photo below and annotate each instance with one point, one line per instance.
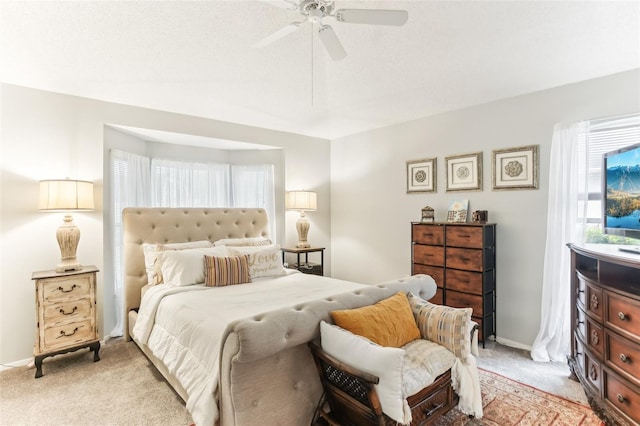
(284, 31)
(372, 16)
(330, 40)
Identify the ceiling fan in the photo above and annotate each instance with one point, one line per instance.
(315, 11)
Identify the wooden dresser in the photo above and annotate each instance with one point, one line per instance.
(605, 349)
(65, 313)
(461, 257)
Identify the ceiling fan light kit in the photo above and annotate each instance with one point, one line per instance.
(315, 11)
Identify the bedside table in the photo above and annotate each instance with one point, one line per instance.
(306, 267)
(65, 313)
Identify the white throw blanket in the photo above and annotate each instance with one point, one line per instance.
(466, 383)
(185, 330)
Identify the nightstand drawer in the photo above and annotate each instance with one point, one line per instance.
(68, 334)
(56, 313)
(68, 288)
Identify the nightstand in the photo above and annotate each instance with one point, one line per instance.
(65, 313)
(306, 267)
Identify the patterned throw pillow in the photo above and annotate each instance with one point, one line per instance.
(444, 325)
(388, 323)
(223, 271)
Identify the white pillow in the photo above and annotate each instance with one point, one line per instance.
(384, 362)
(186, 267)
(264, 261)
(238, 242)
(151, 251)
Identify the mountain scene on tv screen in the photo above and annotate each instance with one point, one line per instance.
(623, 196)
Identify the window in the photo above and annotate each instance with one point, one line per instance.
(604, 135)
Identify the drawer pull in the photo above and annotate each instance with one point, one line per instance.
(433, 409)
(464, 236)
(75, 308)
(622, 316)
(624, 358)
(64, 334)
(621, 398)
(73, 287)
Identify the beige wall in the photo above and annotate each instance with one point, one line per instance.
(49, 135)
(371, 212)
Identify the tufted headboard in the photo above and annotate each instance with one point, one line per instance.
(174, 225)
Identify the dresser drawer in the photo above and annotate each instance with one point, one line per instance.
(623, 355)
(623, 314)
(464, 236)
(56, 313)
(68, 334)
(464, 300)
(428, 255)
(438, 298)
(468, 282)
(58, 289)
(436, 273)
(593, 371)
(622, 395)
(427, 234)
(466, 259)
(581, 324)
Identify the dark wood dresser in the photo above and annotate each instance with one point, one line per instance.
(605, 349)
(461, 257)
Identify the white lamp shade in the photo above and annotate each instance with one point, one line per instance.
(66, 194)
(301, 200)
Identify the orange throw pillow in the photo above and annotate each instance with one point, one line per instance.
(389, 322)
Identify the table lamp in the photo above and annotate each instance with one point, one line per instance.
(65, 195)
(302, 201)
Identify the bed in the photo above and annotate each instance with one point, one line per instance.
(244, 360)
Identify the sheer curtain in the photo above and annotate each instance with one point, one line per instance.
(184, 184)
(130, 182)
(253, 186)
(565, 223)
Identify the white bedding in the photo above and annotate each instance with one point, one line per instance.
(183, 326)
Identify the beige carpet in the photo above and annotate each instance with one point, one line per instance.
(123, 388)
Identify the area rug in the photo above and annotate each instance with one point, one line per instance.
(507, 402)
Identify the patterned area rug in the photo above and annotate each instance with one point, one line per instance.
(507, 402)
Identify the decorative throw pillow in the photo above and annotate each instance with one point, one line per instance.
(389, 322)
(444, 325)
(223, 271)
(243, 242)
(386, 363)
(186, 267)
(151, 251)
(264, 261)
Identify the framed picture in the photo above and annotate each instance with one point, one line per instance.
(458, 211)
(464, 172)
(421, 175)
(515, 168)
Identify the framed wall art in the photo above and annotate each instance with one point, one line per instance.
(421, 175)
(464, 172)
(515, 168)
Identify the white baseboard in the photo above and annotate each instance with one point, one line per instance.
(513, 344)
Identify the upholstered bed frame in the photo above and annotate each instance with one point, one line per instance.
(267, 374)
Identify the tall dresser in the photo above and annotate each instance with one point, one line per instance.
(605, 349)
(461, 257)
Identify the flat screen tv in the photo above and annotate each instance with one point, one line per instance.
(621, 191)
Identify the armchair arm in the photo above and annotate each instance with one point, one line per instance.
(347, 387)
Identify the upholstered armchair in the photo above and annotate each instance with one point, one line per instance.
(400, 361)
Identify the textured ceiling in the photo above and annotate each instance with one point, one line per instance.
(195, 57)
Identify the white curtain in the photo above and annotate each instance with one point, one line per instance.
(253, 186)
(565, 223)
(130, 182)
(184, 184)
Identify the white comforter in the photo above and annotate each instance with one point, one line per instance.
(185, 330)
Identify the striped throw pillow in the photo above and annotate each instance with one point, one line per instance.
(444, 325)
(223, 271)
